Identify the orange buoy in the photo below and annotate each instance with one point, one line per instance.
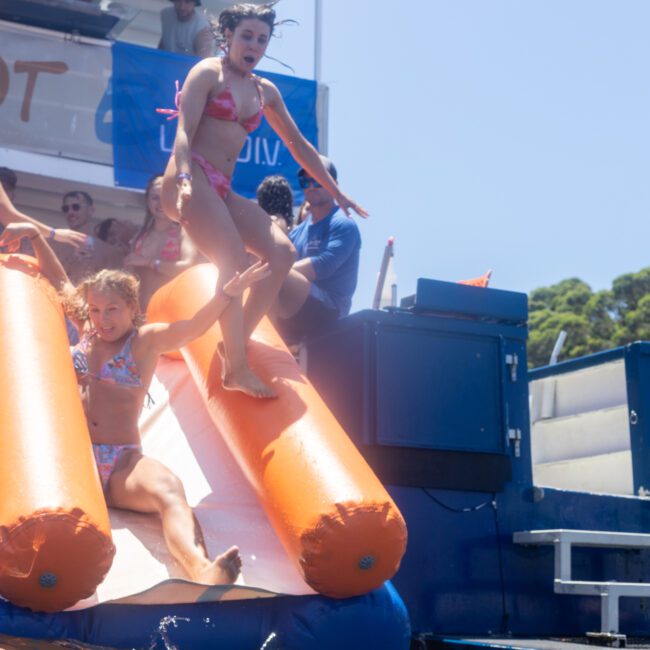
(55, 538)
(332, 514)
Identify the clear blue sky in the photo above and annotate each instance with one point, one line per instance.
(512, 135)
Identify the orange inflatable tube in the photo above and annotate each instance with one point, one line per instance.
(330, 511)
(55, 538)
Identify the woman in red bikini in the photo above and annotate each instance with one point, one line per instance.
(160, 249)
(223, 101)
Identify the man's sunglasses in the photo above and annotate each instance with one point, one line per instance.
(306, 181)
(75, 207)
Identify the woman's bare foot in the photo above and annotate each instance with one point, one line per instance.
(243, 378)
(223, 570)
(246, 381)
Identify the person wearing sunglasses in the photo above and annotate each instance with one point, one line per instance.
(320, 285)
(78, 209)
(10, 214)
(93, 254)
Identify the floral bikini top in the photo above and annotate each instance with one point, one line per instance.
(223, 107)
(121, 370)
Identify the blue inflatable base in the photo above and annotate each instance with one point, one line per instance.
(377, 620)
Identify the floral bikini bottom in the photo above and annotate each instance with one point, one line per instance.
(106, 457)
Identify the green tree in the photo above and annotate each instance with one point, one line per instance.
(545, 326)
(593, 321)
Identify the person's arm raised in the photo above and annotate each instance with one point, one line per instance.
(301, 149)
(164, 337)
(9, 214)
(48, 262)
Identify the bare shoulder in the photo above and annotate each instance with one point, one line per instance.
(270, 90)
(152, 339)
(142, 342)
(145, 332)
(148, 333)
(207, 71)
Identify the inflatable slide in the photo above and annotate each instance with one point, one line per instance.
(318, 534)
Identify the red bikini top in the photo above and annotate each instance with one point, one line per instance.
(171, 249)
(223, 107)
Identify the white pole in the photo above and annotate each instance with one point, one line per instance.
(381, 276)
(318, 42)
(557, 348)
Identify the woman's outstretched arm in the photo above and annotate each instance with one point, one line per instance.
(9, 214)
(301, 149)
(48, 262)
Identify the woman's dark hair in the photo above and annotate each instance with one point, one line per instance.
(103, 228)
(275, 197)
(231, 17)
(149, 218)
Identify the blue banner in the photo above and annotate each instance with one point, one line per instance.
(143, 80)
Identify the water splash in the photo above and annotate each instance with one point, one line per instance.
(161, 632)
(270, 639)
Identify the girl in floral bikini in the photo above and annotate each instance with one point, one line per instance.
(160, 249)
(222, 101)
(115, 361)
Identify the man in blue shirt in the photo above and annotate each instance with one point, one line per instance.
(319, 287)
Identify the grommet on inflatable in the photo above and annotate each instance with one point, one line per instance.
(55, 536)
(332, 514)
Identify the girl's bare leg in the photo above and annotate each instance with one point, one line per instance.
(268, 242)
(211, 227)
(145, 485)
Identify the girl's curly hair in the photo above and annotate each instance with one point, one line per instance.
(126, 285)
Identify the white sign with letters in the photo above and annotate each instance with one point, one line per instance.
(54, 95)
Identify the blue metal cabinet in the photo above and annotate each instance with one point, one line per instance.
(435, 396)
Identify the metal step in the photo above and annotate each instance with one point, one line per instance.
(586, 588)
(563, 541)
(600, 538)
